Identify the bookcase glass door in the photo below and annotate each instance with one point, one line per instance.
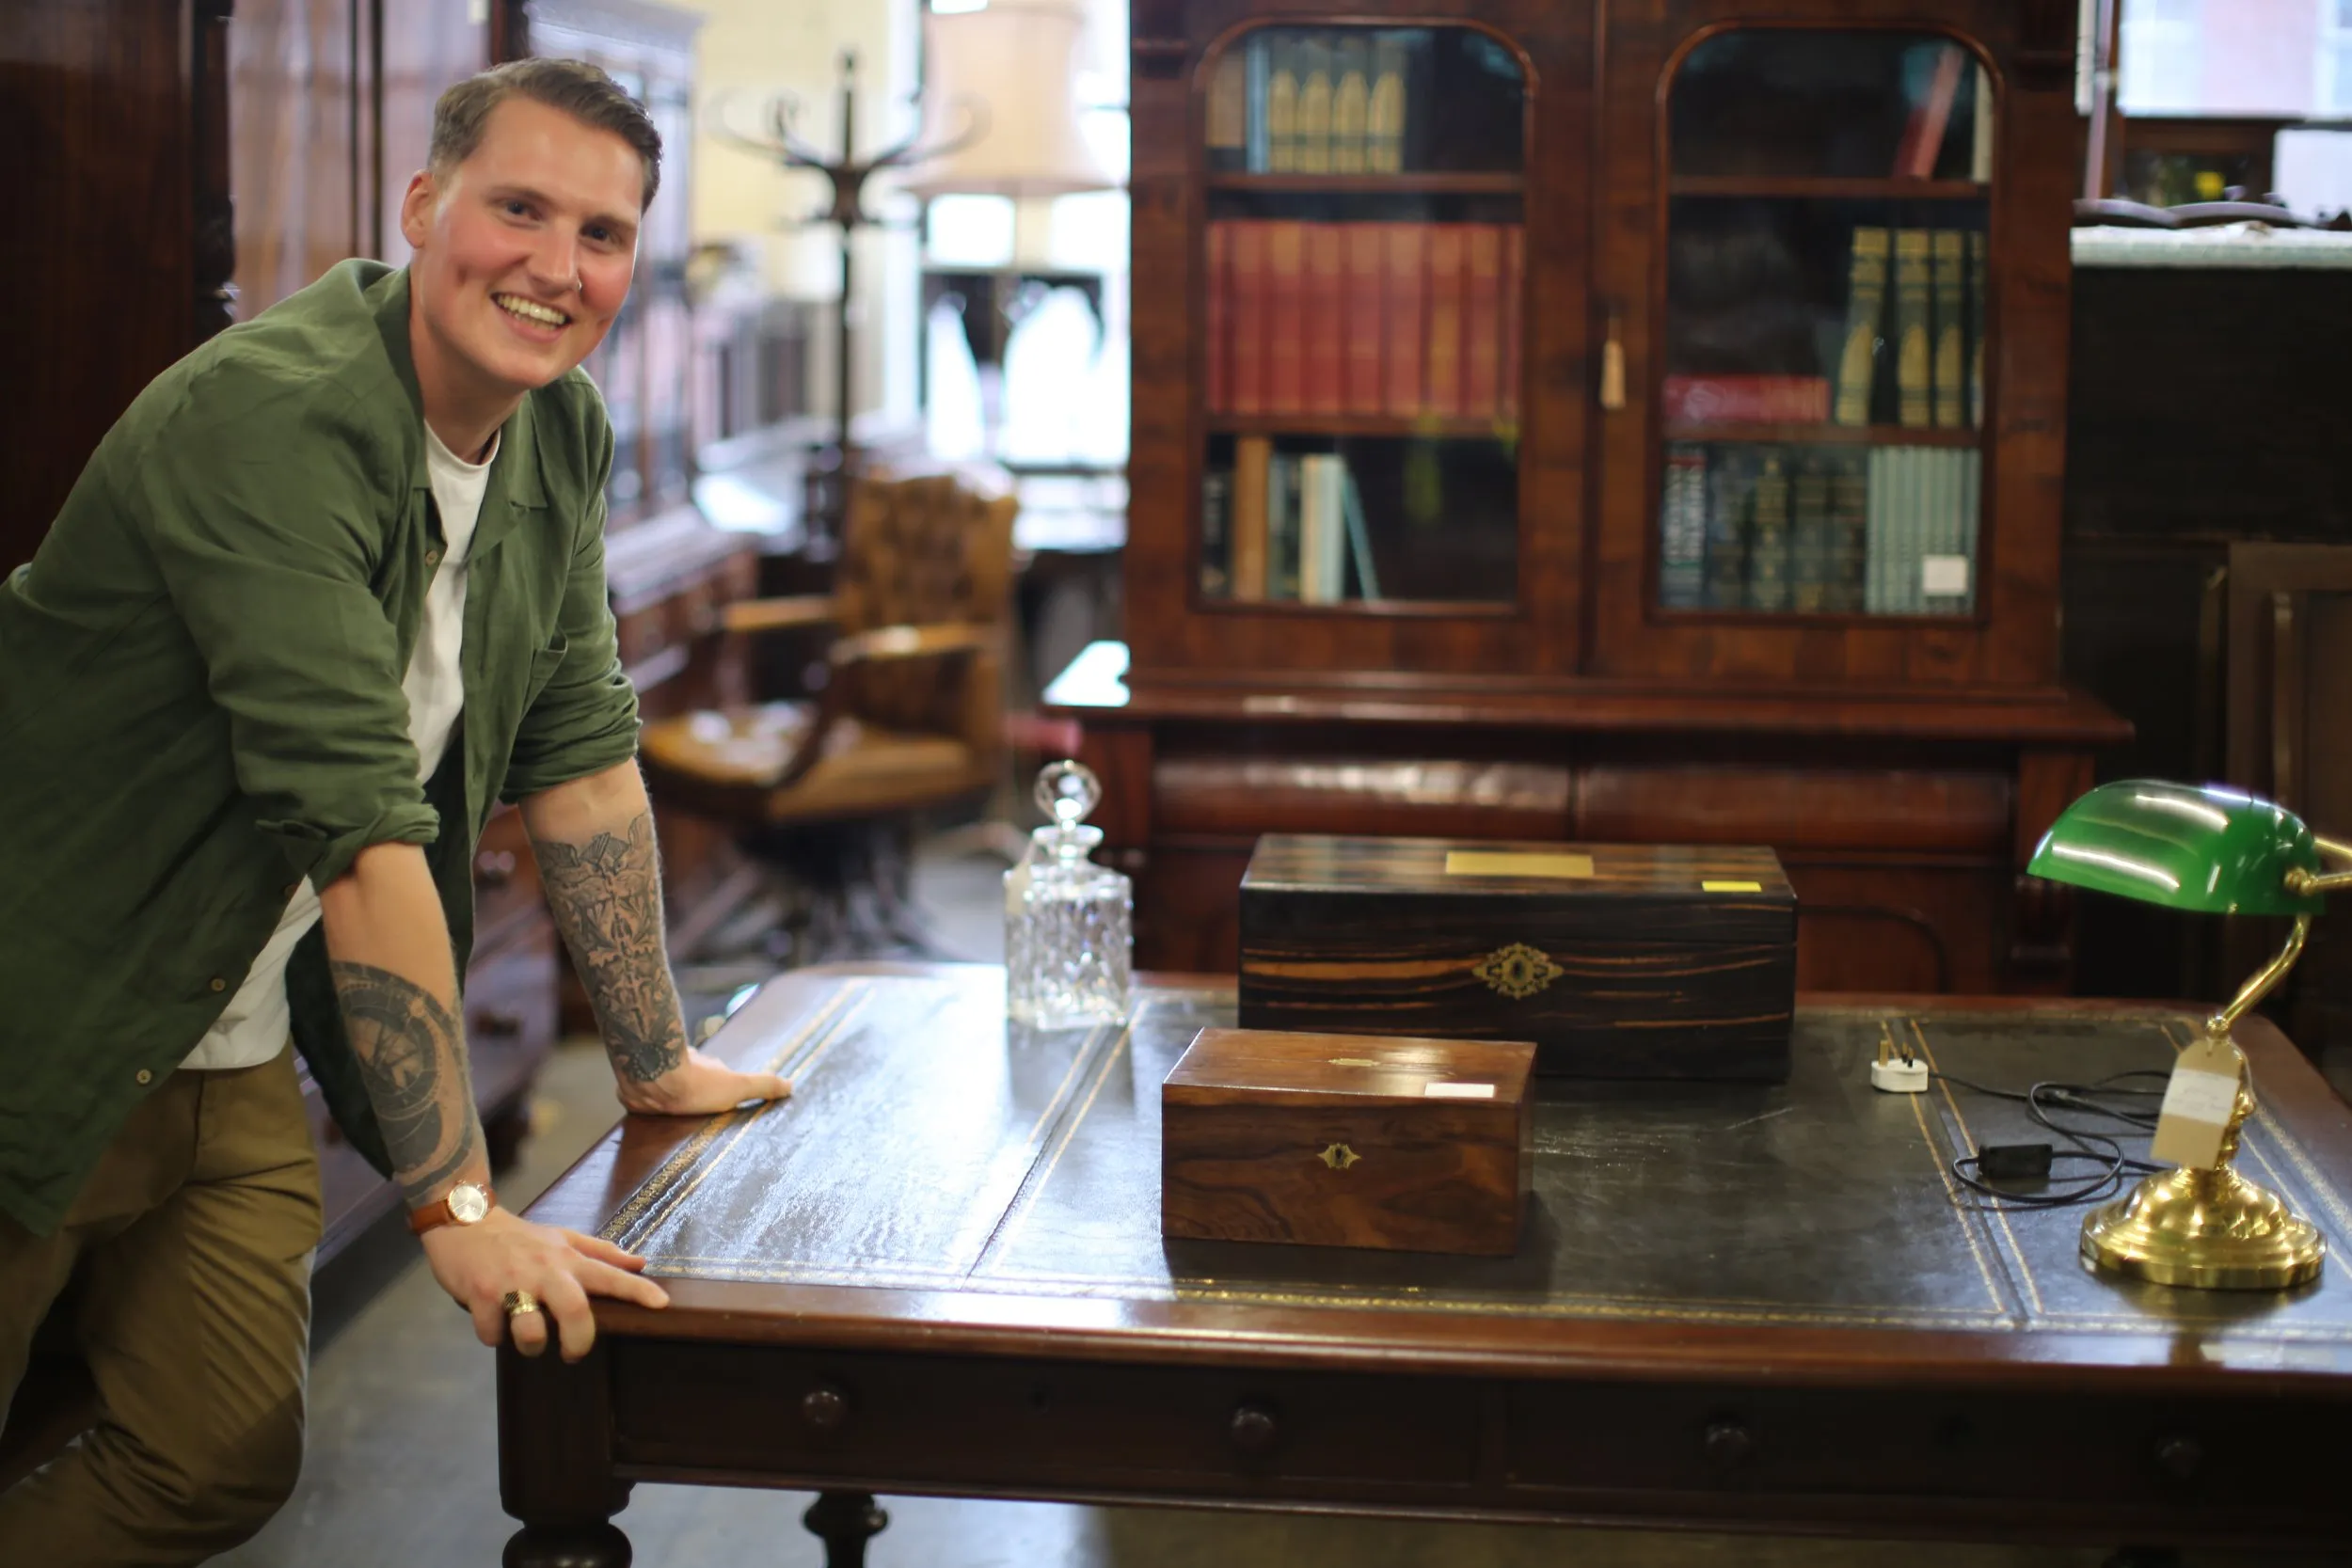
(1363, 270)
(1823, 392)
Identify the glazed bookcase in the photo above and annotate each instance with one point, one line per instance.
(1633, 422)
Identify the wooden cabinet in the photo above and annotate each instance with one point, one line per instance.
(1635, 424)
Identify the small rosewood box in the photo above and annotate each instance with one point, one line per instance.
(1619, 961)
(1347, 1140)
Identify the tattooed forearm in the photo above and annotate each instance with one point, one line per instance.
(412, 1056)
(607, 898)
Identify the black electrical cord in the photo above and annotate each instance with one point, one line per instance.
(2101, 1151)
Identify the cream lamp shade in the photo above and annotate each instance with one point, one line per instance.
(1002, 77)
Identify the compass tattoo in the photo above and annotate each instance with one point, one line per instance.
(412, 1057)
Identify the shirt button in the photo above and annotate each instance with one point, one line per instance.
(219, 984)
(433, 558)
(293, 888)
(146, 1077)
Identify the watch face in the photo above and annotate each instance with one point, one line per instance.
(467, 1203)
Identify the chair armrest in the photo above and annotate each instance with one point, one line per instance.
(890, 643)
(752, 615)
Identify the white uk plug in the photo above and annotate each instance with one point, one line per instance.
(1899, 1075)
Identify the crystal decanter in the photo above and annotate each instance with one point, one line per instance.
(1068, 939)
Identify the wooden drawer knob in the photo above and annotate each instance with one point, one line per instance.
(1728, 1444)
(494, 867)
(1254, 1429)
(2180, 1458)
(825, 1408)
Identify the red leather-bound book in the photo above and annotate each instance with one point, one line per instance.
(1285, 318)
(1482, 325)
(1442, 375)
(1363, 319)
(1217, 365)
(1246, 319)
(1514, 317)
(1327, 298)
(1405, 309)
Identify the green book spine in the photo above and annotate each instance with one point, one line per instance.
(1351, 101)
(1914, 367)
(1282, 527)
(1949, 249)
(1768, 539)
(1865, 301)
(1384, 109)
(1848, 530)
(1727, 534)
(1812, 552)
(1217, 497)
(1281, 107)
(1879, 490)
(1314, 105)
(1683, 530)
(1976, 329)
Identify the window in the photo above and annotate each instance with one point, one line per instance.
(2161, 54)
(2335, 57)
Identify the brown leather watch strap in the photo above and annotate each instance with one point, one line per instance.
(436, 1213)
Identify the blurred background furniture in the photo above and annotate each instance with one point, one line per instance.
(828, 793)
(2289, 738)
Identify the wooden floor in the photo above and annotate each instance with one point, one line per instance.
(401, 1468)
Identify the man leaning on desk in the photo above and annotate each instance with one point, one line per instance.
(331, 588)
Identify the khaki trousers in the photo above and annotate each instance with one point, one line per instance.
(194, 1240)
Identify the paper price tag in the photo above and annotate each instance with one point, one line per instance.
(1457, 1091)
(1943, 576)
(2197, 1105)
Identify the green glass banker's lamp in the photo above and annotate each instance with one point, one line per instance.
(2220, 853)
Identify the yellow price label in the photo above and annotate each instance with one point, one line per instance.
(1731, 887)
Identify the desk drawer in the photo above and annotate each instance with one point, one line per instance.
(506, 890)
(2042, 1453)
(913, 1420)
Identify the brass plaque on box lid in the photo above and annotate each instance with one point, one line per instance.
(1504, 862)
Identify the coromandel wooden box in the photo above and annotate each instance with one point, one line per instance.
(1344, 1140)
(1618, 960)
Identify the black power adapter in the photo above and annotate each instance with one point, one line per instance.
(2014, 1161)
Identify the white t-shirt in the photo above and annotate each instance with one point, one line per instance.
(252, 1029)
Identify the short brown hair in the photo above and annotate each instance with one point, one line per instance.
(578, 88)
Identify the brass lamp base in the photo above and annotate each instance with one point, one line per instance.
(2208, 1229)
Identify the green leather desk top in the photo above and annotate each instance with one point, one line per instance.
(931, 1149)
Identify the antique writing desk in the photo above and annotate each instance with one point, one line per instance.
(938, 1269)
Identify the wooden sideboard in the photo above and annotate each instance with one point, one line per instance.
(1566, 605)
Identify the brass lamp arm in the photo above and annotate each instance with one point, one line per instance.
(2300, 880)
(2260, 984)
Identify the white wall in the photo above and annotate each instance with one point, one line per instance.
(748, 52)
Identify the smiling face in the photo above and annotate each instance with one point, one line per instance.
(524, 253)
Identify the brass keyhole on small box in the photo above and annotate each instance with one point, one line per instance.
(1339, 1156)
(1517, 971)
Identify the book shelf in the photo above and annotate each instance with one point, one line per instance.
(1647, 425)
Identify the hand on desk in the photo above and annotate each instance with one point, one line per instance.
(699, 1085)
(478, 1264)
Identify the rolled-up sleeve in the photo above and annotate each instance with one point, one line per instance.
(583, 718)
(265, 531)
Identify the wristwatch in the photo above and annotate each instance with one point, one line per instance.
(466, 1203)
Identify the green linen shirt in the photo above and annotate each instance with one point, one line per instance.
(201, 701)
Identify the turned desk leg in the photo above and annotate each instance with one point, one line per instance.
(555, 1461)
(845, 1521)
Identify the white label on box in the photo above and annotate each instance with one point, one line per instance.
(1943, 576)
(1458, 1091)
